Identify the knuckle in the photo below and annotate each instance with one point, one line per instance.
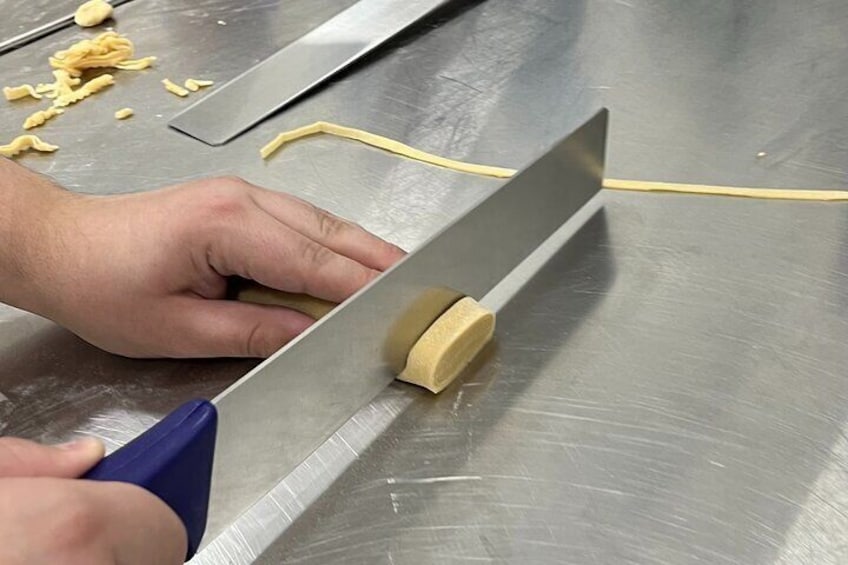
(329, 226)
(257, 342)
(365, 276)
(226, 202)
(232, 181)
(315, 255)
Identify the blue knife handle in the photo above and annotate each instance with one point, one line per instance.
(173, 460)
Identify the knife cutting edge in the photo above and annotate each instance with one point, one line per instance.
(211, 461)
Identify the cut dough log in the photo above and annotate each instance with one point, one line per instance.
(313, 307)
(124, 113)
(449, 345)
(414, 321)
(92, 13)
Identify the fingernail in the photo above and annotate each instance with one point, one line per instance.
(80, 444)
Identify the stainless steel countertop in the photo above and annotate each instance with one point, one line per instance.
(668, 389)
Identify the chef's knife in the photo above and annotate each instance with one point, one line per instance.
(299, 68)
(31, 35)
(276, 415)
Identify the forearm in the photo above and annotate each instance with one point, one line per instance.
(27, 202)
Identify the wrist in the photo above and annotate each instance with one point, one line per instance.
(30, 206)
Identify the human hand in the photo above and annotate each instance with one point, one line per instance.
(145, 275)
(47, 515)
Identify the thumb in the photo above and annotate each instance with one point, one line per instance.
(22, 458)
(224, 328)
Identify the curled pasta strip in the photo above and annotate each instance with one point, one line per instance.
(106, 50)
(22, 91)
(25, 142)
(91, 87)
(40, 117)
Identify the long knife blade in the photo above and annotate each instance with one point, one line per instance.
(275, 416)
(43, 30)
(298, 68)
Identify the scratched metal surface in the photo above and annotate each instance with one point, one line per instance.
(24, 15)
(669, 390)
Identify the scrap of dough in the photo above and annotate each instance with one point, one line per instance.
(22, 91)
(382, 143)
(63, 85)
(106, 50)
(40, 117)
(174, 88)
(24, 142)
(136, 64)
(611, 184)
(195, 84)
(124, 113)
(313, 307)
(92, 13)
(737, 191)
(449, 345)
(87, 89)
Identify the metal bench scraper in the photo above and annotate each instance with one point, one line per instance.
(299, 68)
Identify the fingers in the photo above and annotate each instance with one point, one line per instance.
(140, 527)
(220, 328)
(342, 236)
(262, 249)
(48, 520)
(22, 458)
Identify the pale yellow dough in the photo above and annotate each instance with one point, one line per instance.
(40, 117)
(87, 89)
(382, 143)
(22, 91)
(413, 321)
(313, 307)
(499, 172)
(136, 64)
(737, 191)
(24, 142)
(124, 113)
(449, 345)
(195, 84)
(106, 50)
(174, 88)
(62, 86)
(92, 13)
